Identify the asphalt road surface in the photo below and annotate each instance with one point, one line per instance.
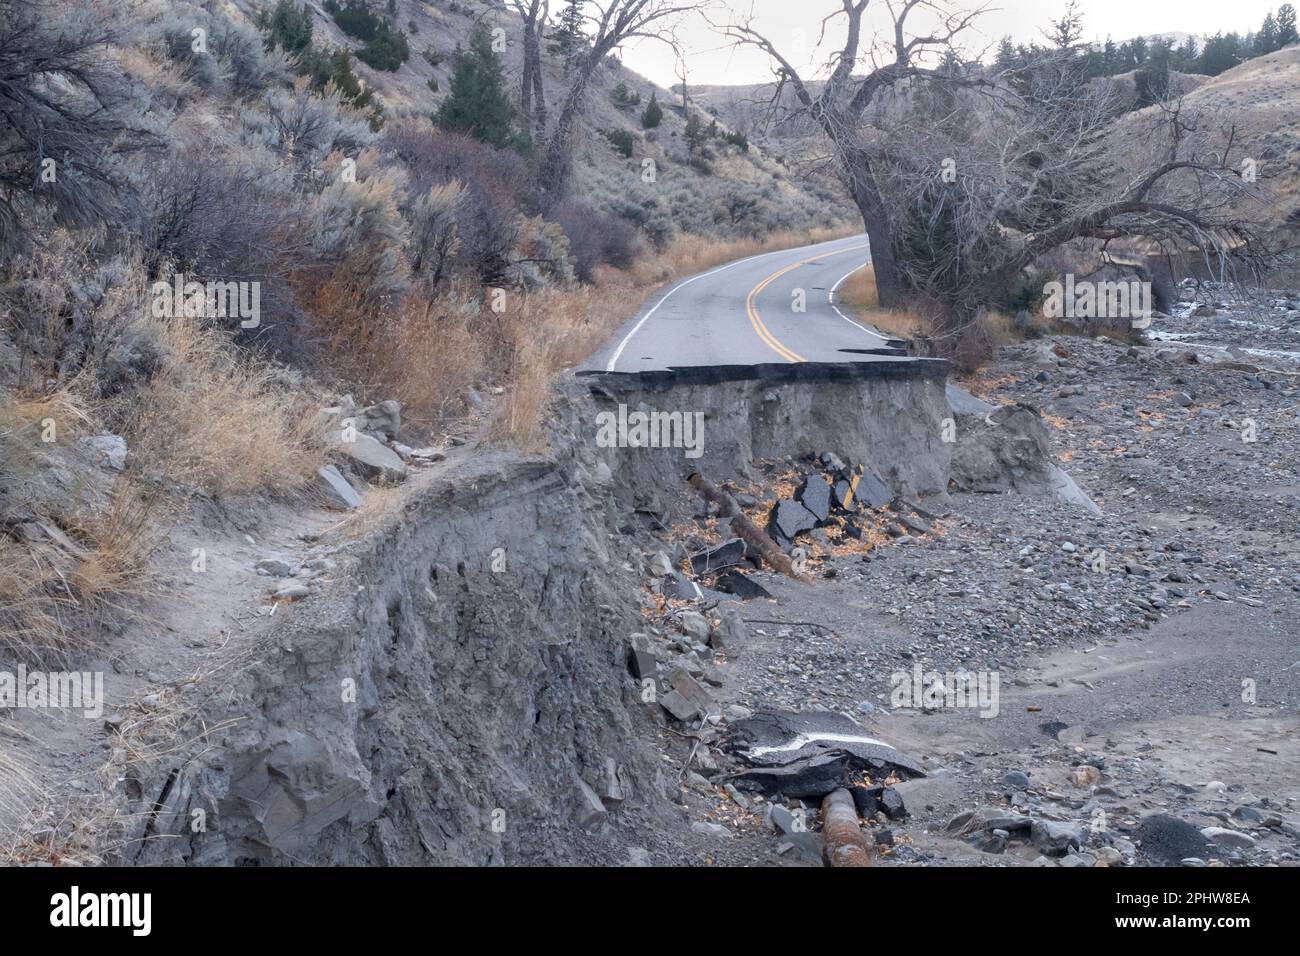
(748, 312)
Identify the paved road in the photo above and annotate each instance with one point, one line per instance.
(743, 313)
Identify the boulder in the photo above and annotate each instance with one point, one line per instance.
(384, 418)
(371, 458)
(336, 489)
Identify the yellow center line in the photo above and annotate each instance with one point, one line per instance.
(751, 309)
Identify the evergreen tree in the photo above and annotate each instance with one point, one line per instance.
(287, 26)
(1286, 26)
(388, 50)
(1109, 58)
(1222, 52)
(624, 99)
(1006, 58)
(568, 41)
(654, 113)
(1068, 30)
(695, 134)
(1152, 80)
(1266, 38)
(1140, 50)
(477, 103)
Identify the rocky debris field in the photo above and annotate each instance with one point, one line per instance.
(1146, 660)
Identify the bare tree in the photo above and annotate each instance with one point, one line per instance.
(977, 196)
(839, 106)
(610, 23)
(959, 201)
(532, 94)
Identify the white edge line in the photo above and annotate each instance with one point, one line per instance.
(831, 299)
(609, 366)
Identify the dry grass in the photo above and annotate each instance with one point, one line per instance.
(36, 602)
(859, 297)
(50, 596)
(691, 254)
(121, 541)
(218, 420)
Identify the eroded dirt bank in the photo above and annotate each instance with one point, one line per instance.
(459, 692)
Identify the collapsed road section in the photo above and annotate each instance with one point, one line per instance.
(502, 663)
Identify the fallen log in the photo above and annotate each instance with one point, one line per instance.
(844, 843)
(746, 530)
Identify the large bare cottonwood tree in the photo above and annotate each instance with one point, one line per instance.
(860, 71)
(977, 196)
(959, 200)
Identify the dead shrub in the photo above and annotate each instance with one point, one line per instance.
(595, 238)
(494, 182)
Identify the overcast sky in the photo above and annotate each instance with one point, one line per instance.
(790, 22)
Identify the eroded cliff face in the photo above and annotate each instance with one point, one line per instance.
(888, 415)
(461, 695)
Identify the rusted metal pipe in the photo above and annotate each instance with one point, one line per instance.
(844, 842)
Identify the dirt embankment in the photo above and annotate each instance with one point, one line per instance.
(453, 686)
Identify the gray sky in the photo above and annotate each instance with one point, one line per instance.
(789, 22)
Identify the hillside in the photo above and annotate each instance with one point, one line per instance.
(701, 198)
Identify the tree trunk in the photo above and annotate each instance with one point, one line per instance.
(555, 164)
(861, 182)
(532, 99)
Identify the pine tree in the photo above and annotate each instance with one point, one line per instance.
(568, 41)
(1266, 39)
(1067, 31)
(1152, 81)
(625, 99)
(1222, 52)
(477, 103)
(1109, 58)
(1286, 26)
(654, 113)
(695, 134)
(1186, 57)
(1006, 58)
(287, 26)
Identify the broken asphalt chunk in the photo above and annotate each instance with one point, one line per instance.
(773, 738)
(811, 778)
(788, 519)
(737, 584)
(815, 495)
(726, 555)
(868, 487)
(843, 497)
